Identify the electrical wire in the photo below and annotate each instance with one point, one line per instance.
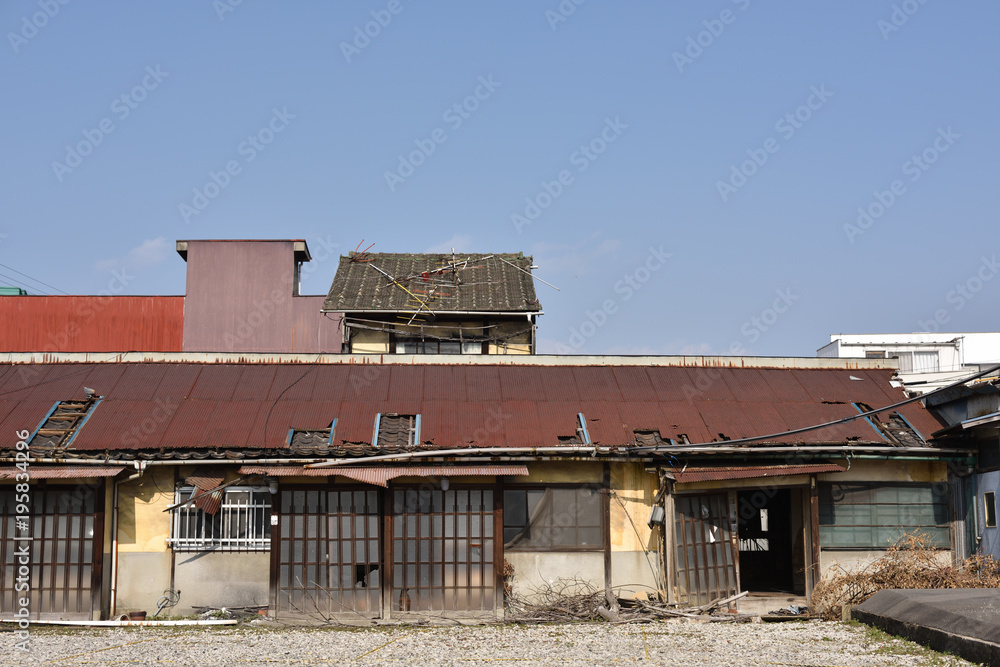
(275, 402)
(21, 284)
(11, 268)
(656, 449)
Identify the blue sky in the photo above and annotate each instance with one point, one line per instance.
(688, 174)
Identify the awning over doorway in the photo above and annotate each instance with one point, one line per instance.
(61, 472)
(380, 475)
(707, 474)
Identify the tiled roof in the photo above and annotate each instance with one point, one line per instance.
(461, 282)
(232, 407)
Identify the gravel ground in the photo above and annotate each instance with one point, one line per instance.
(665, 643)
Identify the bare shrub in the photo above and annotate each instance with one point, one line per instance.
(909, 563)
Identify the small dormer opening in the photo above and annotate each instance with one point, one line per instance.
(60, 426)
(394, 430)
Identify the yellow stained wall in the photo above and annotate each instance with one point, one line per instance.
(143, 525)
(369, 342)
(517, 345)
(869, 470)
(570, 472)
(633, 490)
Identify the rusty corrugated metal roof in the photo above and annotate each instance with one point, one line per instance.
(92, 323)
(190, 405)
(380, 475)
(60, 472)
(752, 472)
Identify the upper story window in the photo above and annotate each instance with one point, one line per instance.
(418, 346)
(917, 361)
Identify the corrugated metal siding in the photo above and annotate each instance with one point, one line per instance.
(23, 416)
(560, 384)
(683, 417)
(151, 405)
(737, 419)
(442, 382)
(332, 383)
(216, 383)
(749, 382)
(91, 323)
(239, 299)
(519, 383)
(596, 384)
(634, 383)
(784, 385)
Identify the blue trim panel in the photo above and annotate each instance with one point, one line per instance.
(378, 418)
(42, 423)
(870, 422)
(291, 432)
(333, 429)
(84, 422)
(416, 432)
(583, 425)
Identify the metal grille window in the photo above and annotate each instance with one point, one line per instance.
(553, 519)
(874, 516)
(243, 522)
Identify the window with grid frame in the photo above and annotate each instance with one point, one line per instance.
(553, 519)
(429, 346)
(876, 515)
(243, 522)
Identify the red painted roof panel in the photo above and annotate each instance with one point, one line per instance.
(91, 323)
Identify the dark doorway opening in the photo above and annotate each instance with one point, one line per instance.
(765, 540)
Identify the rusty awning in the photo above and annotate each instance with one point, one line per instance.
(380, 475)
(61, 472)
(752, 472)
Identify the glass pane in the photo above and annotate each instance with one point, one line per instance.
(515, 508)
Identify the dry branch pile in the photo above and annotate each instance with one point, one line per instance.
(567, 600)
(910, 563)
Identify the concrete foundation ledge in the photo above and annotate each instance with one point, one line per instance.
(963, 621)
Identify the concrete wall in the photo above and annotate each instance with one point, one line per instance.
(142, 578)
(535, 570)
(221, 579)
(143, 529)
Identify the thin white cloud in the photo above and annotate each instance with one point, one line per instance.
(147, 254)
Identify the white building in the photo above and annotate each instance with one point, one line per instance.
(926, 360)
